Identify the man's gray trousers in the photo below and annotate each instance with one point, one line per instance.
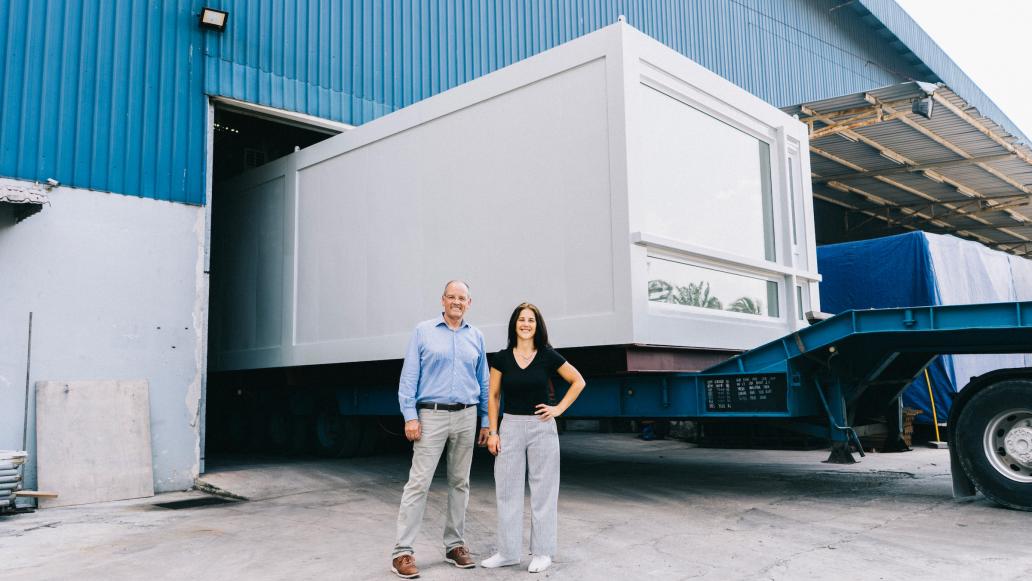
(457, 431)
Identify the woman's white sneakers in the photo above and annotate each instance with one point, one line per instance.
(496, 560)
(539, 563)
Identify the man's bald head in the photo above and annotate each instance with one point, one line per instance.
(460, 283)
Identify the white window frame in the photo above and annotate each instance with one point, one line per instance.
(655, 252)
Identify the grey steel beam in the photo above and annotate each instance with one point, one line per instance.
(916, 168)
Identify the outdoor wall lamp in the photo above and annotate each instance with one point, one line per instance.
(214, 19)
(923, 107)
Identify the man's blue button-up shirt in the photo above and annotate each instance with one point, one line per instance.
(444, 366)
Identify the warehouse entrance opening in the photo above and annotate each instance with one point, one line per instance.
(242, 142)
(268, 413)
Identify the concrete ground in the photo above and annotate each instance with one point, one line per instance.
(628, 510)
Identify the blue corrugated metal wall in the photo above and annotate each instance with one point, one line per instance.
(355, 61)
(109, 95)
(103, 95)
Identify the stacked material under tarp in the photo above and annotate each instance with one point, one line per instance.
(920, 269)
(10, 477)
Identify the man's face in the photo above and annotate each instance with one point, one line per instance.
(455, 301)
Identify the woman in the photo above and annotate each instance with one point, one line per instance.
(527, 443)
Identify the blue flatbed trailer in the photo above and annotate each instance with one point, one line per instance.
(819, 379)
(859, 361)
(824, 380)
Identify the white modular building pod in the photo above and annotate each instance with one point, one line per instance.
(634, 196)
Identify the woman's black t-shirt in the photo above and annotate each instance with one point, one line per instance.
(524, 389)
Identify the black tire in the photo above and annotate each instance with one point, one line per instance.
(336, 435)
(999, 413)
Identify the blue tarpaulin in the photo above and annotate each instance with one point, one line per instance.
(920, 269)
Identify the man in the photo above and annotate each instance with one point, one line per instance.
(444, 377)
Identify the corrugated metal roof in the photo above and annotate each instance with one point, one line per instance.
(28, 197)
(890, 94)
(11, 193)
(957, 172)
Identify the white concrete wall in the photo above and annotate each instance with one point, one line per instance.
(117, 291)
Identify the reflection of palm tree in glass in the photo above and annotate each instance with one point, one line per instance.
(693, 295)
(697, 295)
(746, 305)
(661, 291)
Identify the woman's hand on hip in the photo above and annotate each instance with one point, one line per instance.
(494, 444)
(547, 412)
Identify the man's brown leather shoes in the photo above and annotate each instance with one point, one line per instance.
(459, 556)
(404, 566)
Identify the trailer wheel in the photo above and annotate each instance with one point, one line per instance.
(336, 435)
(994, 442)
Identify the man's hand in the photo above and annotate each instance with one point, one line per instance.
(482, 438)
(494, 444)
(413, 431)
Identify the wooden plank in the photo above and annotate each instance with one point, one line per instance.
(36, 494)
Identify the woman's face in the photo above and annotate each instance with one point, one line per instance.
(526, 324)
